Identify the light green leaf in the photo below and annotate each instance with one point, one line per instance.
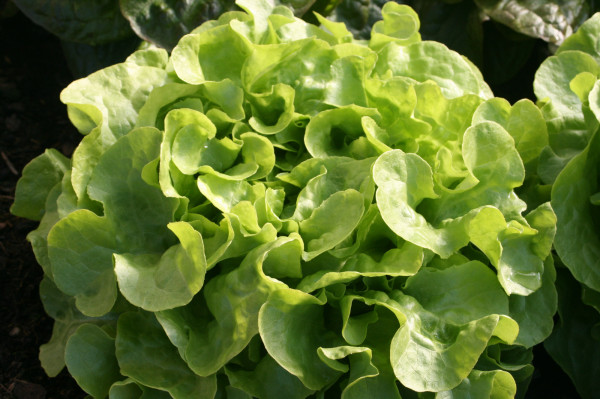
(191, 123)
(38, 178)
(330, 223)
(210, 334)
(338, 132)
(303, 65)
(490, 155)
(165, 98)
(80, 249)
(39, 237)
(225, 95)
(135, 218)
(396, 101)
(400, 25)
(397, 166)
(291, 327)
(553, 77)
(424, 61)
(441, 354)
(448, 119)
(273, 110)
(355, 327)
(150, 56)
(497, 384)
(211, 55)
(428, 353)
(581, 85)
(320, 178)
(403, 261)
(242, 240)
(194, 145)
(584, 39)
(338, 29)
(523, 121)
(324, 278)
(258, 150)
(140, 211)
(520, 268)
(347, 86)
(224, 193)
(404, 180)
(105, 106)
(156, 282)
(458, 294)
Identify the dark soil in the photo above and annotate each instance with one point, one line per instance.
(32, 74)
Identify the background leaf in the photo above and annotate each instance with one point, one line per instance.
(575, 342)
(84, 21)
(164, 22)
(84, 59)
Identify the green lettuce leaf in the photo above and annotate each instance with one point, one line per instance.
(574, 343)
(156, 282)
(67, 319)
(90, 358)
(39, 177)
(483, 384)
(103, 122)
(300, 315)
(267, 380)
(150, 359)
(85, 242)
(226, 319)
(577, 240)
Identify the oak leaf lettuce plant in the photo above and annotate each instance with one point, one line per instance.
(279, 207)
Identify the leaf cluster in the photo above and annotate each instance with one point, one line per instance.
(277, 206)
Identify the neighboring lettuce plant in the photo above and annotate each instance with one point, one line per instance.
(569, 91)
(278, 207)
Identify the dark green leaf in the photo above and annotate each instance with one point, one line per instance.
(83, 58)
(573, 344)
(84, 21)
(164, 22)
